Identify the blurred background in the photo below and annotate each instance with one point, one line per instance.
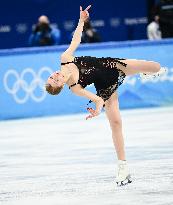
(113, 20)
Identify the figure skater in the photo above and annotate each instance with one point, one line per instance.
(107, 74)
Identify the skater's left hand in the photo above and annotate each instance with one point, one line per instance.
(94, 113)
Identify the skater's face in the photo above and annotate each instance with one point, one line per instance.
(55, 83)
(56, 80)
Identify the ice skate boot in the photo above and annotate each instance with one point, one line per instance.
(123, 177)
(150, 76)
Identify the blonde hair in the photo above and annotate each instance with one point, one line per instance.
(53, 90)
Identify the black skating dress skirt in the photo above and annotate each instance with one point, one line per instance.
(103, 72)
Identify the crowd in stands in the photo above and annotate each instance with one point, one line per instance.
(44, 34)
(162, 21)
(161, 26)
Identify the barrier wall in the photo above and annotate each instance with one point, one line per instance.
(23, 73)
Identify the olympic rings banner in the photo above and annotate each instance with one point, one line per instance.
(23, 73)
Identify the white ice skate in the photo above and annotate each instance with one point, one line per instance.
(150, 76)
(123, 177)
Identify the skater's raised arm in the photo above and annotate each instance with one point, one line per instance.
(77, 34)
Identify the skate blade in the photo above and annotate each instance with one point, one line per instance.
(125, 182)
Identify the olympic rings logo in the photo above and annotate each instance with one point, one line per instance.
(27, 82)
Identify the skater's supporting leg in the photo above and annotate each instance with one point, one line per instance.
(113, 115)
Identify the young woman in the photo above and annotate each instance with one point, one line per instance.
(106, 74)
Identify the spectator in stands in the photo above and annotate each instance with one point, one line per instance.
(153, 29)
(44, 34)
(90, 35)
(165, 12)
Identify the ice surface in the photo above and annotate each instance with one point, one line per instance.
(69, 161)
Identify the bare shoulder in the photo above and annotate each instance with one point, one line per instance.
(65, 57)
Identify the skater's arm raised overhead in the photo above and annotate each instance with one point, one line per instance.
(78, 33)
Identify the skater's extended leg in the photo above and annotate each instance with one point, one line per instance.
(139, 66)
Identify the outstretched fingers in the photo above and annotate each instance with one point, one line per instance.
(93, 113)
(88, 7)
(89, 116)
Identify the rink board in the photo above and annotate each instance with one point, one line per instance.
(23, 73)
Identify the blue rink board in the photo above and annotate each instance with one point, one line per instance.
(23, 73)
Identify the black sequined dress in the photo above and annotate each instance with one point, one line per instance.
(103, 72)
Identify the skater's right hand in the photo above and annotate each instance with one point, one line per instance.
(84, 15)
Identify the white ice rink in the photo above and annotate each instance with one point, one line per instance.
(70, 161)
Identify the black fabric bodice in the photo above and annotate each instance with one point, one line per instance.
(103, 72)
